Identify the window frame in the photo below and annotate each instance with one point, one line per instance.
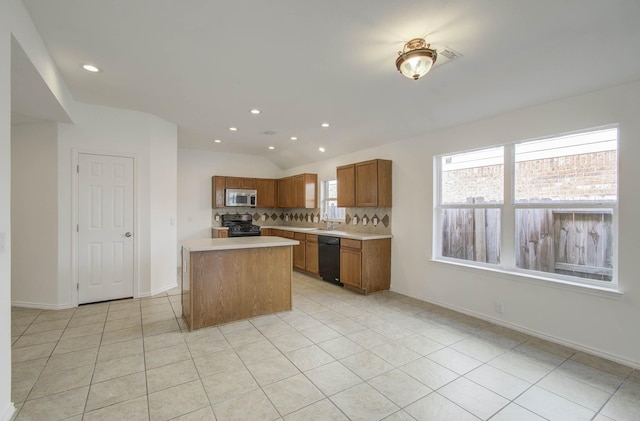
(324, 199)
(508, 209)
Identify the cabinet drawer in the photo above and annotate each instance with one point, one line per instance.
(312, 238)
(349, 243)
(287, 234)
(300, 236)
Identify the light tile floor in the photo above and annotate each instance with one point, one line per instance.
(336, 356)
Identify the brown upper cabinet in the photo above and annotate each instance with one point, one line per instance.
(346, 177)
(298, 191)
(365, 184)
(218, 184)
(267, 193)
(240, 183)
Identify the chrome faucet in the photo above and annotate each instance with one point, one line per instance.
(327, 222)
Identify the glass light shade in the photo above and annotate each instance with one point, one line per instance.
(416, 63)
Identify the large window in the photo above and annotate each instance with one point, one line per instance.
(537, 206)
(329, 202)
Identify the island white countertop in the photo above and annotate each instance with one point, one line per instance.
(208, 244)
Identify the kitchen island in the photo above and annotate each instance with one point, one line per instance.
(229, 279)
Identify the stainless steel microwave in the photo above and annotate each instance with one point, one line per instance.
(240, 197)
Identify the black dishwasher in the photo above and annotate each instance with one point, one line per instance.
(329, 258)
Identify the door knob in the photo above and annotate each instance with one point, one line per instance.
(128, 234)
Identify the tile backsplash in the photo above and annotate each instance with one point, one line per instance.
(305, 218)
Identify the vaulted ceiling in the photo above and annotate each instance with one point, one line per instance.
(204, 64)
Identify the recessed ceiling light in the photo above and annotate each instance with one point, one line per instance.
(272, 148)
(293, 138)
(321, 149)
(233, 129)
(325, 124)
(217, 141)
(255, 111)
(90, 68)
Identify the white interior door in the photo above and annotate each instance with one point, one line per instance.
(105, 227)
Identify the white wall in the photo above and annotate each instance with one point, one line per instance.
(163, 188)
(597, 323)
(6, 407)
(108, 130)
(34, 214)
(195, 169)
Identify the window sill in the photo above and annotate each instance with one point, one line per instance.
(596, 290)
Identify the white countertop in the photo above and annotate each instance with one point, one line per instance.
(332, 233)
(207, 244)
(316, 231)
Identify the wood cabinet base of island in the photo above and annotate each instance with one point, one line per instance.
(222, 286)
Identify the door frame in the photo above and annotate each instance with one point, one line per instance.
(75, 242)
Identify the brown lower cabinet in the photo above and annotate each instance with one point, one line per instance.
(219, 233)
(299, 251)
(365, 265)
(311, 254)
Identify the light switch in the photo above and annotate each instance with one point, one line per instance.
(264, 217)
(172, 221)
(217, 218)
(3, 242)
(364, 220)
(316, 219)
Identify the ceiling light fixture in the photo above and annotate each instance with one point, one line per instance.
(293, 138)
(217, 141)
(255, 111)
(416, 59)
(325, 125)
(233, 129)
(271, 148)
(90, 68)
(321, 149)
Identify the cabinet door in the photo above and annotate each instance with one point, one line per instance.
(233, 182)
(367, 184)
(312, 254)
(248, 183)
(217, 191)
(384, 183)
(266, 188)
(299, 252)
(286, 197)
(298, 191)
(311, 191)
(346, 178)
(287, 234)
(351, 267)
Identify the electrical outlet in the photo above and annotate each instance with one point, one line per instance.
(264, 217)
(354, 221)
(364, 221)
(500, 307)
(375, 221)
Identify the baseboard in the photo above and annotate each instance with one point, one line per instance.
(531, 332)
(8, 412)
(158, 291)
(41, 306)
